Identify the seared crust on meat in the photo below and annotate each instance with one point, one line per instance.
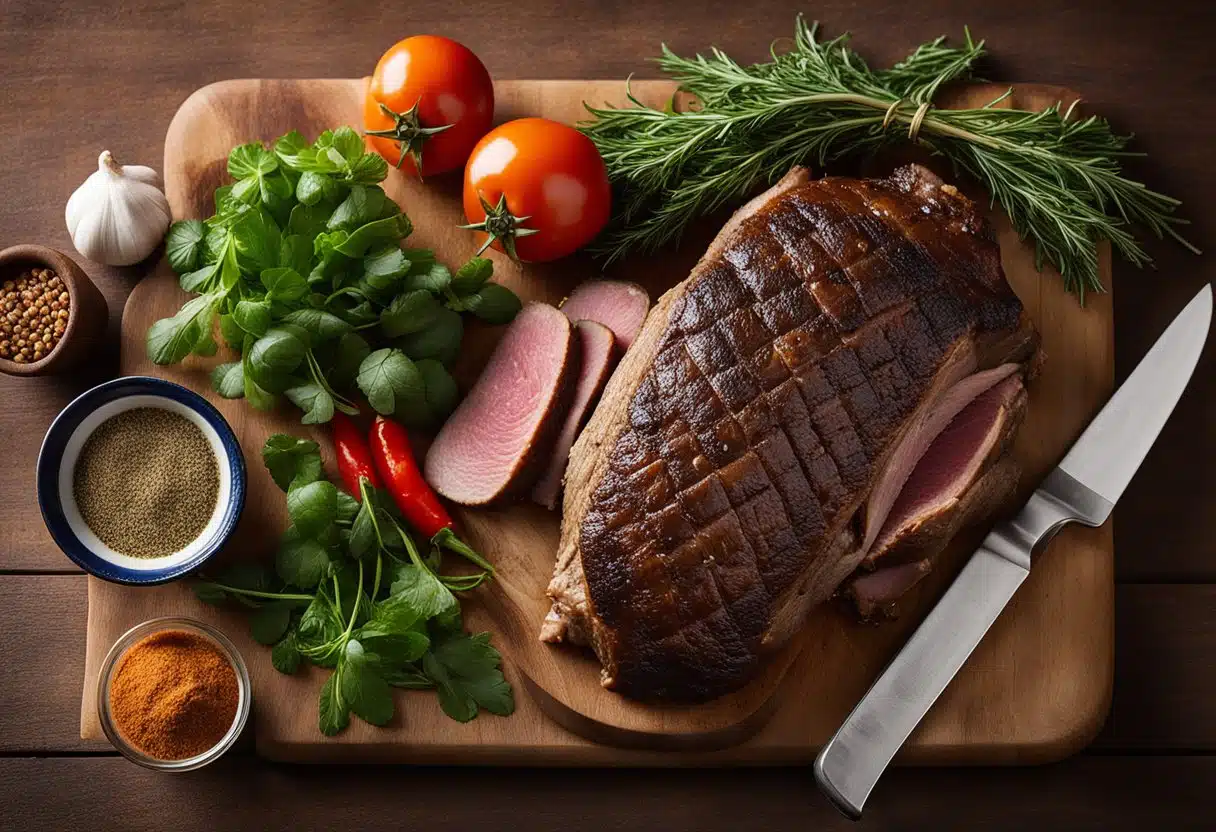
(719, 486)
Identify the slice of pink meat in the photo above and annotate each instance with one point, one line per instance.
(875, 590)
(955, 482)
(618, 305)
(492, 445)
(951, 464)
(919, 438)
(599, 357)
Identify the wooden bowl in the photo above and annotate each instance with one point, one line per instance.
(87, 308)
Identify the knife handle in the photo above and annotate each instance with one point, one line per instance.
(850, 764)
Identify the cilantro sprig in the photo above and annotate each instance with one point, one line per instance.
(351, 591)
(302, 270)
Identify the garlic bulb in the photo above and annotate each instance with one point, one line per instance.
(119, 214)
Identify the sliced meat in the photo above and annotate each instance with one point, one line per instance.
(874, 592)
(599, 356)
(960, 455)
(893, 486)
(618, 305)
(751, 445)
(965, 473)
(491, 446)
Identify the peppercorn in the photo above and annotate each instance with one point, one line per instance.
(36, 308)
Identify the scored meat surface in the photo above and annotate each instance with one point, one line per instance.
(747, 452)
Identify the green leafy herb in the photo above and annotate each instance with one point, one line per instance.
(439, 340)
(353, 593)
(269, 622)
(291, 461)
(172, 339)
(302, 561)
(472, 275)
(286, 654)
(184, 245)
(493, 303)
(303, 248)
(1059, 178)
(409, 312)
(316, 402)
(229, 380)
(388, 378)
(467, 675)
(313, 507)
(333, 711)
(440, 398)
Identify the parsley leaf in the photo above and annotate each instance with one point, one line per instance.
(409, 312)
(269, 622)
(333, 713)
(251, 160)
(467, 672)
(418, 587)
(319, 324)
(275, 355)
(378, 622)
(313, 507)
(286, 656)
(363, 689)
(440, 340)
(172, 339)
(408, 677)
(301, 561)
(362, 205)
(253, 316)
(283, 283)
(472, 275)
(229, 380)
(314, 400)
(493, 303)
(184, 245)
(389, 379)
(291, 461)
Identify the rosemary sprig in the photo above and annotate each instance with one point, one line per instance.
(1058, 178)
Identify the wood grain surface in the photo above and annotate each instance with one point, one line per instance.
(276, 797)
(1037, 689)
(80, 76)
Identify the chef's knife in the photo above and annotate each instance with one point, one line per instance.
(1082, 489)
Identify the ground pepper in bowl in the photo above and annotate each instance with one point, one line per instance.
(146, 482)
(173, 695)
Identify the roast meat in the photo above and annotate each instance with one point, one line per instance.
(778, 408)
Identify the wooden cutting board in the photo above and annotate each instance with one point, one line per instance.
(1037, 688)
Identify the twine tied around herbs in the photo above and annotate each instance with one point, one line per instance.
(918, 118)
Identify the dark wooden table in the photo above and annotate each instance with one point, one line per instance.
(81, 77)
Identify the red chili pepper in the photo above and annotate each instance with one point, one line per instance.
(354, 456)
(395, 461)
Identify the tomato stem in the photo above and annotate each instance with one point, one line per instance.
(500, 224)
(409, 133)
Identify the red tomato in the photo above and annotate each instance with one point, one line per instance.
(545, 184)
(439, 101)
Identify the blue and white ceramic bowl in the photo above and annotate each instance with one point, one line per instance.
(57, 461)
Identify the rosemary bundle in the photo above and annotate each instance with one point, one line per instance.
(1058, 178)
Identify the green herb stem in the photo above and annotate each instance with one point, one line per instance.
(253, 593)
(1059, 178)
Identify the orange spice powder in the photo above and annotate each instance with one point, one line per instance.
(174, 695)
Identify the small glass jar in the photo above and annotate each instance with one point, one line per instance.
(111, 662)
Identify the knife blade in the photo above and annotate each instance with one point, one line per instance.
(1083, 488)
(1134, 416)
